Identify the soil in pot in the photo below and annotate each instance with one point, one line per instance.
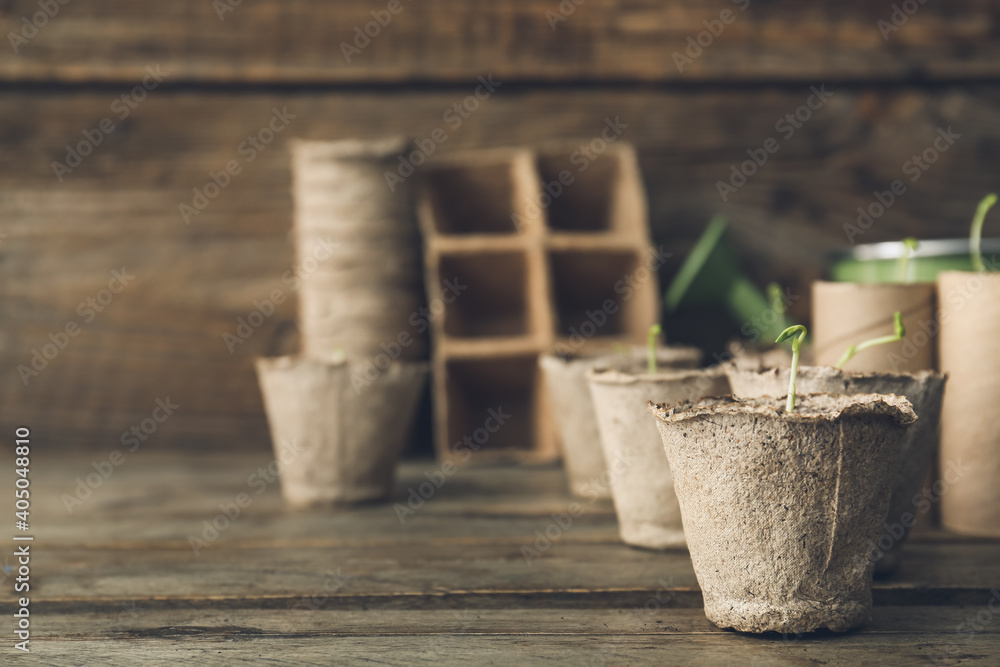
(779, 508)
(565, 379)
(924, 390)
(337, 441)
(639, 475)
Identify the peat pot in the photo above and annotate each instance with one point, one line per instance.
(337, 441)
(569, 393)
(640, 479)
(924, 390)
(779, 509)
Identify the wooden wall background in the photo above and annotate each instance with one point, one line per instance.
(162, 336)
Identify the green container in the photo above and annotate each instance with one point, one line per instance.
(878, 262)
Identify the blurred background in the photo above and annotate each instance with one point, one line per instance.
(145, 183)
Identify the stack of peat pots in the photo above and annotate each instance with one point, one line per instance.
(340, 414)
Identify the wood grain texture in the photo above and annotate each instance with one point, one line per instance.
(449, 586)
(163, 334)
(441, 41)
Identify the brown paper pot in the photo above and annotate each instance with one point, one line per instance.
(779, 509)
(924, 390)
(970, 421)
(846, 314)
(574, 411)
(336, 444)
(641, 483)
(359, 248)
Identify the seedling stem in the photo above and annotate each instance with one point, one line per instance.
(854, 349)
(654, 335)
(976, 236)
(790, 333)
(902, 268)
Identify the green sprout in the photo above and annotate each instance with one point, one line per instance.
(854, 349)
(776, 296)
(903, 264)
(976, 236)
(654, 334)
(790, 334)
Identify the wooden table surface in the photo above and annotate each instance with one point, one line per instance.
(118, 582)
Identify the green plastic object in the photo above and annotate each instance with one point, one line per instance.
(711, 276)
(877, 262)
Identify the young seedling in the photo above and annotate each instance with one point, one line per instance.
(854, 349)
(903, 265)
(976, 235)
(796, 334)
(651, 339)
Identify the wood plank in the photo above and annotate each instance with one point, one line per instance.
(163, 334)
(659, 649)
(438, 41)
(307, 617)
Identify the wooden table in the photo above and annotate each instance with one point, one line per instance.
(117, 582)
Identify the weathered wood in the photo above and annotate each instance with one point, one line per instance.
(163, 335)
(131, 619)
(451, 584)
(300, 42)
(243, 645)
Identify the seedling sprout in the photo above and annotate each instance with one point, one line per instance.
(654, 335)
(902, 267)
(796, 334)
(976, 235)
(854, 349)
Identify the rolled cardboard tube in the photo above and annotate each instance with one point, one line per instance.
(845, 314)
(969, 462)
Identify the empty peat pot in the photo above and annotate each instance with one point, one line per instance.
(641, 483)
(924, 390)
(779, 508)
(337, 434)
(566, 382)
